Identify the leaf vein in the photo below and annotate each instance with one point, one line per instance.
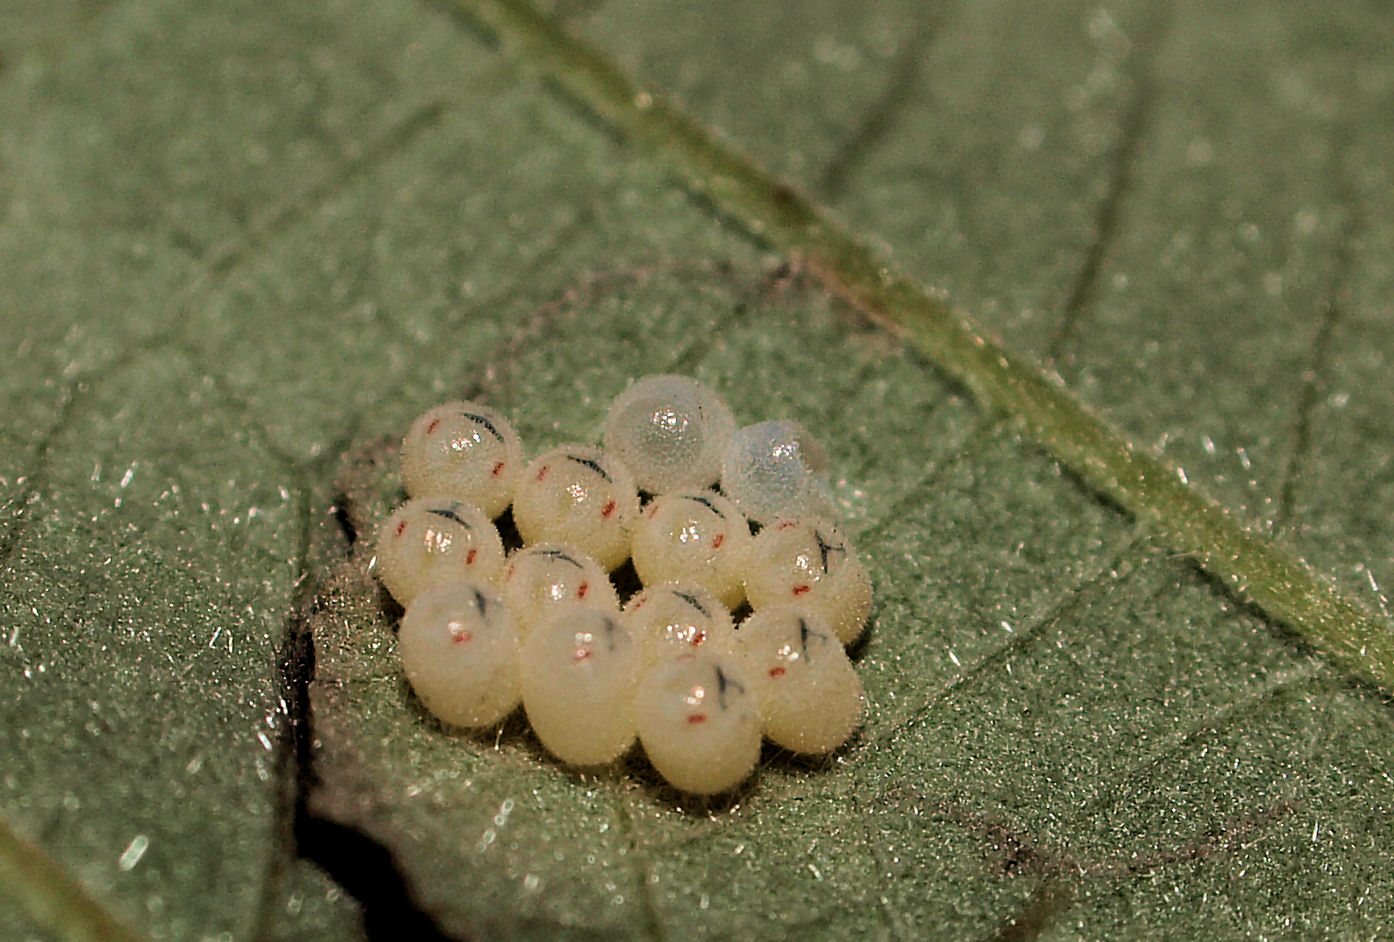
(1252, 566)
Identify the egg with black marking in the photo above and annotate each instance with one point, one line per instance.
(459, 649)
(806, 561)
(811, 699)
(465, 450)
(580, 669)
(434, 539)
(579, 495)
(694, 536)
(699, 722)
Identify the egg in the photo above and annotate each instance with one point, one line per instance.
(536, 578)
(579, 495)
(465, 450)
(580, 670)
(459, 650)
(811, 699)
(696, 537)
(435, 539)
(699, 723)
(673, 619)
(806, 561)
(670, 431)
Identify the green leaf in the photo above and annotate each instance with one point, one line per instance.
(240, 242)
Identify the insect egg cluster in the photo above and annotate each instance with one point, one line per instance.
(716, 520)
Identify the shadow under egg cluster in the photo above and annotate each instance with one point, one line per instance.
(732, 519)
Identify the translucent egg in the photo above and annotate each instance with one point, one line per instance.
(435, 539)
(670, 431)
(579, 495)
(673, 619)
(811, 698)
(459, 650)
(580, 670)
(466, 450)
(808, 563)
(699, 723)
(774, 469)
(696, 537)
(539, 577)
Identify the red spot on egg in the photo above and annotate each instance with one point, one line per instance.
(787, 524)
(608, 509)
(696, 719)
(802, 589)
(469, 557)
(776, 672)
(582, 654)
(542, 473)
(463, 637)
(401, 528)
(498, 469)
(698, 638)
(718, 540)
(431, 429)
(582, 589)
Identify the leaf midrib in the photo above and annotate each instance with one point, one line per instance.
(1253, 567)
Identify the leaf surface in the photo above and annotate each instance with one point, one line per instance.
(240, 243)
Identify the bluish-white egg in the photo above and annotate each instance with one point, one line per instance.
(775, 469)
(670, 431)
